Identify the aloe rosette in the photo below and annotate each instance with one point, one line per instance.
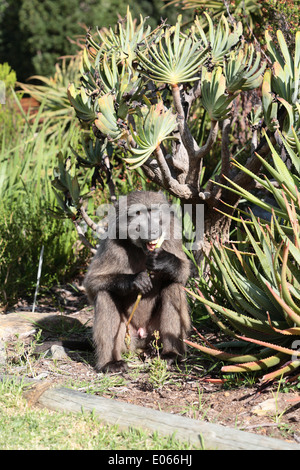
(175, 58)
(153, 127)
(281, 86)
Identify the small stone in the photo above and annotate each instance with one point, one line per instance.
(58, 352)
(267, 407)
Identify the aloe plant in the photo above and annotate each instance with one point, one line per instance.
(243, 71)
(260, 279)
(161, 99)
(220, 40)
(123, 40)
(248, 10)
(153, 128)
(176, 58)
(281, 86)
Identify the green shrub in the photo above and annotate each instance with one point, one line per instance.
(26, 223)
(9, 118)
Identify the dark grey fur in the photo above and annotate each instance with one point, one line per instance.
(118, 272)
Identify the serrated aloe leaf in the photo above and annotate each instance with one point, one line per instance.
(257, 365)
(290, 312)
(276, 347)
(285, 289)
(255, 200)
(235, 317)
(221, 355)
(278, 373)
(262, 255)
(244, 292)
(295, 157)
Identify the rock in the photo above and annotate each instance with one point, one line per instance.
(21, 324)
(271, 407)
(58, 353)
(24, 324)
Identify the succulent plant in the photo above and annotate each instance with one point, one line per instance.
(259, 278)
(219, 40)
(153, 127)
(176, 58)
(213, 94)
(281, 86)
(123, 40)
(242, 70)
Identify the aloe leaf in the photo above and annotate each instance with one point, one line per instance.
(294, 157)
(276, 347)
(262, 255)
(216, 320)
(243, 291)
(285, 51)
(152, 128)
(257, 365)
(288, 332)
(285, 290)
(278, 373)
(221, 355)
(236, 317)
(270, 108)
(290, 312)
(253, 199)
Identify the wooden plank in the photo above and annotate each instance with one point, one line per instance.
(199, 433)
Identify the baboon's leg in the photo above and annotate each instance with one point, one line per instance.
(173, 320)
(108, 333)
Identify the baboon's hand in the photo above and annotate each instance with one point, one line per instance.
(142, 282)
(162, 262)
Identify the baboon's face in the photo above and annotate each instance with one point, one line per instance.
(147, 225)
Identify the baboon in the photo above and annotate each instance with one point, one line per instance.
(127, 263)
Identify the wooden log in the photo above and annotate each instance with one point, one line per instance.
(125, 415)
(206, 435)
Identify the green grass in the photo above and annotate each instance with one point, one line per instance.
(25, 428)
(26, 224)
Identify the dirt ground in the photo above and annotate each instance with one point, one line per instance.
(189, 389)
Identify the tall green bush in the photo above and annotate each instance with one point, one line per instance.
(26, 222)
(10, 120)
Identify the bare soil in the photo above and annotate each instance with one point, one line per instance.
(189, 390)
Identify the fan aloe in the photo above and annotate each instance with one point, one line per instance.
(161, 99)
(175, 59)
(259, 279)
(153, 127)
(281, 86)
